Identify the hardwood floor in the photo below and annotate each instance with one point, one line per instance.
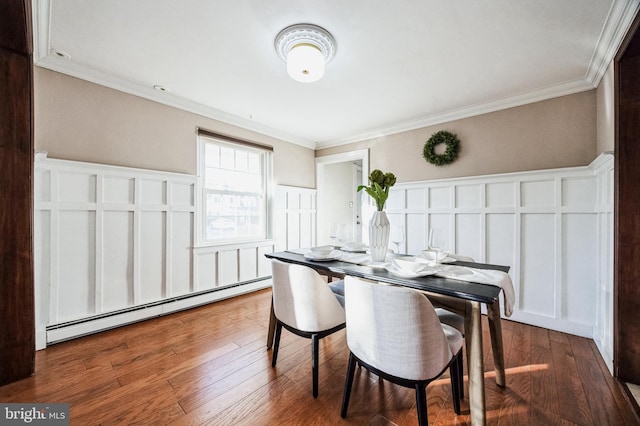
(210, 365)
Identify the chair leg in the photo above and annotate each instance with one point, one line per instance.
(461, 375)
(315, 348)
(454, 372)
(351, 369)
(276, 344)
(421, 404)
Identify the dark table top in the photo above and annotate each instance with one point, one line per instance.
(484, 293)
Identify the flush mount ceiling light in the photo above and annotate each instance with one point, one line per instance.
(306, 48)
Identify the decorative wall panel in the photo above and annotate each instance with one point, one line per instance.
(552, 227)
(108, 239)
(294, 217)
(111, 240)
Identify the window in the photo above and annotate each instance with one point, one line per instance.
(235, 177)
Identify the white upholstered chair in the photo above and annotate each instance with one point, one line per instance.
(445, 316)
(395, 333)
(306, 306)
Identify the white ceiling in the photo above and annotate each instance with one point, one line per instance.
(399, 65)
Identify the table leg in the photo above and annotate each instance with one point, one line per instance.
(473, 341)
(495, 328)
(272, 327)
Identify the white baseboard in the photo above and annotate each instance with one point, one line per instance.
(41, 339)
(605, 353)
(102, 324)
(557, 324)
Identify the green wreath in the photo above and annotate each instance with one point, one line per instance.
(449, 155)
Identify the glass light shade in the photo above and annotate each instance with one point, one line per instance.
(305, 63)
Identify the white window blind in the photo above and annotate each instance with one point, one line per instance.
(235, 178)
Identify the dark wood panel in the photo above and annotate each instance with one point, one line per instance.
(17, 334)
(627, 212)
(15, 27)
(209, 365)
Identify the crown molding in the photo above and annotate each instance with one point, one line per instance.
(618, 22)
(619, 19)
(41, 20)
(166, 98)
(616, 26)
(43, 58)
(546, 93)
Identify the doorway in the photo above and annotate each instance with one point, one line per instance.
(339, 209)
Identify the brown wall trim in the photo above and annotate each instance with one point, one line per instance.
(208, 133)
(17, 310)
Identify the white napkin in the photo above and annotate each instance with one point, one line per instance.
(357, 258)
(483, 276)
(430, 255)
(410, 264)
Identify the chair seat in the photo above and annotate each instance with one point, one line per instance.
(337, 287)
(449, 318)
(454, 337)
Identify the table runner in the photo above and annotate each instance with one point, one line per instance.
(482, 276)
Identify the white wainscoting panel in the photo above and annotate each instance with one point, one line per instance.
(225, 265)
(604, 197)
(552, 227)
(117, 261)
(294, 217)
(537, 293)
(115, 245)
(108, 239)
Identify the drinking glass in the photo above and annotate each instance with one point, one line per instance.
(397, 236)
(343, 234)
(333, 233)
(437, 241)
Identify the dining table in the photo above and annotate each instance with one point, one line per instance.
(467, 297)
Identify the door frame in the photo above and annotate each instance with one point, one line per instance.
(321, 163)
(627, 198)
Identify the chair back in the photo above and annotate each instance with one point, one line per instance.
(303, 300)
(395, 329)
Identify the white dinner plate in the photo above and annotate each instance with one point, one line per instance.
(405, 274)
(335, 254)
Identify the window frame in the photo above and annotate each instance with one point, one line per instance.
(266, 165)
